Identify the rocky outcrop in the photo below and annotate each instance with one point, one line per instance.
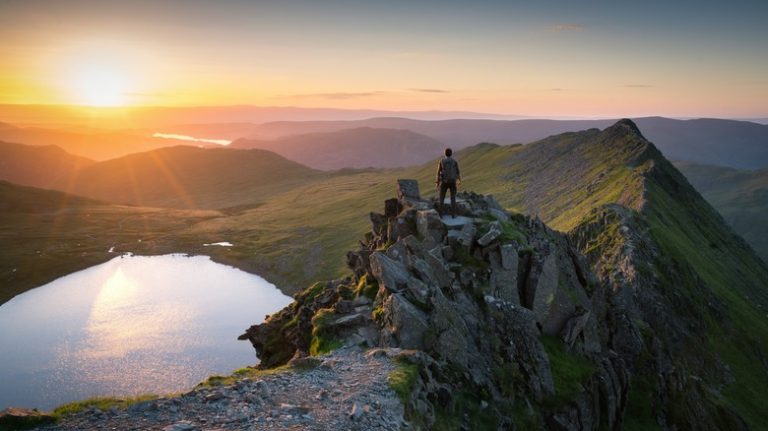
(497, 306)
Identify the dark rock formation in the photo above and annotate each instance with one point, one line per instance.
(475, 297)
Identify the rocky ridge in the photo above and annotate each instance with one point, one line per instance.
(495, 310)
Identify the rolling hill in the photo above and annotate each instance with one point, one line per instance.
(739, 144)
(39, 166)
(190, 177)
(93, 144)
(352, 148)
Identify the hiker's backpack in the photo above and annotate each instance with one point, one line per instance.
(450, 170)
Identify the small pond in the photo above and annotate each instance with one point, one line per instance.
(133, 325)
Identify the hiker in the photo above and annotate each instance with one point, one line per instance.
(448, 177)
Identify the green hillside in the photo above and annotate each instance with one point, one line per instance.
(741, 196)
(190, 177)
(38, 166)
(703, 291)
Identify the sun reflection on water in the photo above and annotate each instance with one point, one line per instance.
(132, 325)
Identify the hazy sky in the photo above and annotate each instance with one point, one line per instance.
(540, 58)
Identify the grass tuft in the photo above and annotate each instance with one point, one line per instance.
(101, 403)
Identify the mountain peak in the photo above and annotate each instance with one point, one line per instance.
(627, 126)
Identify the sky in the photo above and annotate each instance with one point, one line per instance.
(538, 58)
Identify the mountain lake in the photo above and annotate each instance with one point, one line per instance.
(130, 326)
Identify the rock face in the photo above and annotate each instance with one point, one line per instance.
(648, 314)
(499, 313)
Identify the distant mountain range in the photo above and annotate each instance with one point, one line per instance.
(57, 116)
(352, 148)
(739, 144)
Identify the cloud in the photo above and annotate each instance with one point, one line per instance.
(563, 28)
(637, 86)
(334, 96)
(429, 90)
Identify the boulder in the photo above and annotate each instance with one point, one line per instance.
(494, 231)
(429, 225)
(392, 208)
(408, 192)
(442, 274)
(405, 325)
(403, 225)
(467, 235)
(391, 274)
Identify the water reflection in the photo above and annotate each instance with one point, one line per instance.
(131, 325)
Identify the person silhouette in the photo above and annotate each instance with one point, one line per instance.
(448, 178)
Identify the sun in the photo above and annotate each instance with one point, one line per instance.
(100, 85)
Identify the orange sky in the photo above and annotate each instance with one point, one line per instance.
(597, 59)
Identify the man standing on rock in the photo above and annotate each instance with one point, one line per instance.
(448, 177)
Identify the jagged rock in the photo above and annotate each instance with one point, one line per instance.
(391, 274)
(475, 308)
(403, 225)
(494, 231)
(575, 327)
(442, 274)
(467, 235)
(545, 288)
(430, 226)
(509, 258)
(408, 192)
(379, 223)
(503, 279)
(405, 324)
(392, 208)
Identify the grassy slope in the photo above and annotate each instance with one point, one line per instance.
(564, 177)
(191, 178)
(740, 196)
(38, 166)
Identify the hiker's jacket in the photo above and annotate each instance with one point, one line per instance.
(448, 170)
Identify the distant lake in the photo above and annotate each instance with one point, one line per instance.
(178, 137)
(133, 325)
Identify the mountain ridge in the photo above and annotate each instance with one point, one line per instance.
(652, 248)
(739, 144)
(361, 147)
